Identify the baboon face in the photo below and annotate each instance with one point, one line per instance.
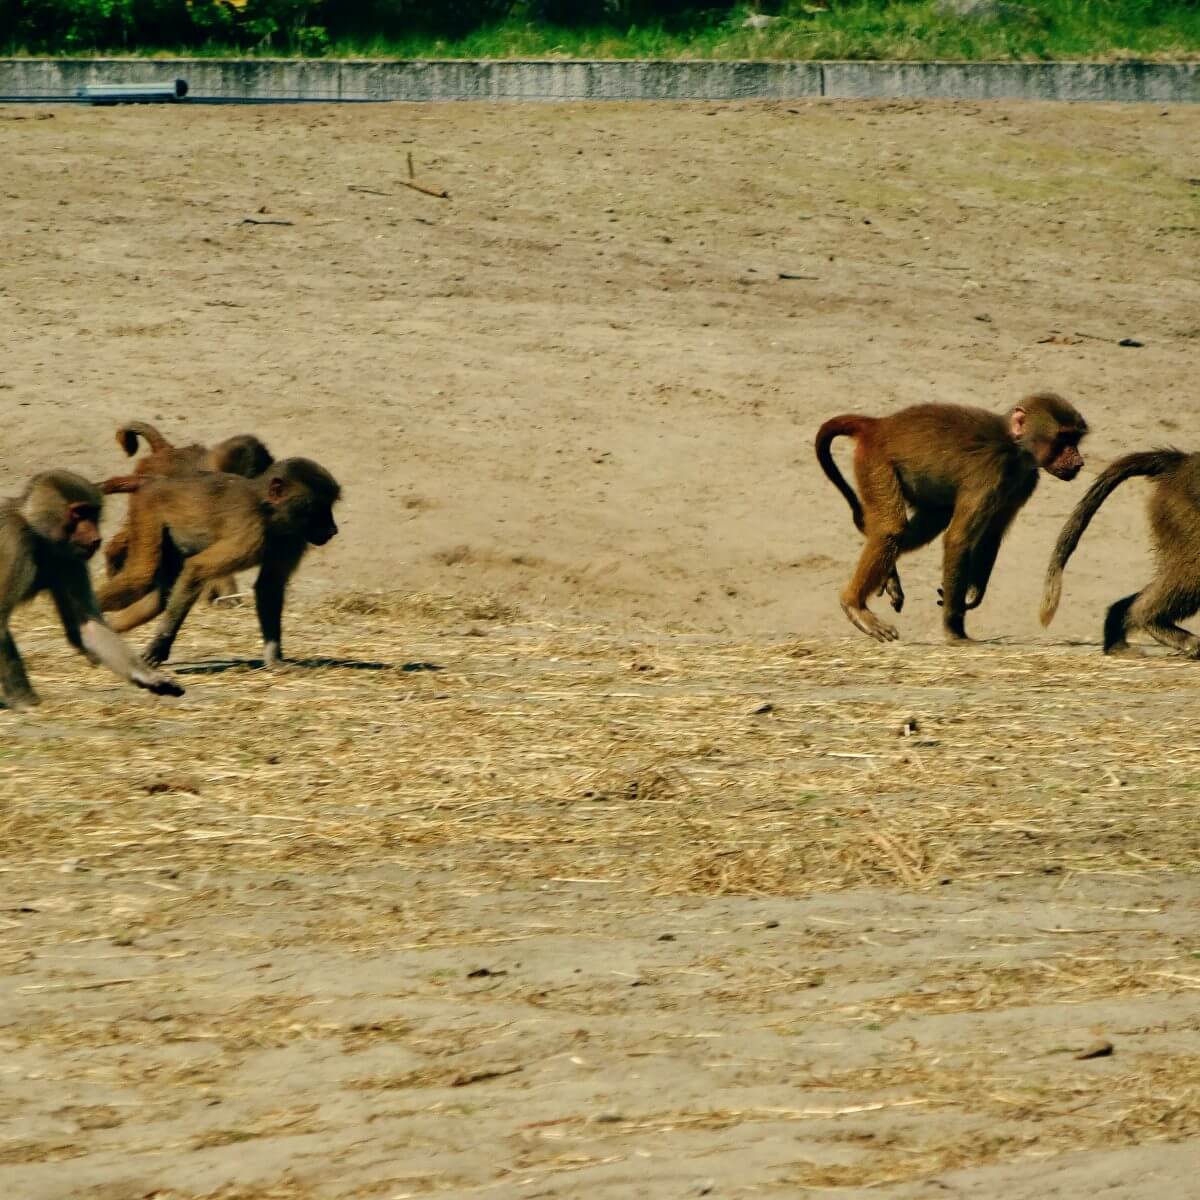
(76, 531)
(321, 526)
(1051, 429)
(82, 531)
(1060, 457)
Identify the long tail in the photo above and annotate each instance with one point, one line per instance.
(127, 437)
(122, 483)
(836, 427)
(1149, 462)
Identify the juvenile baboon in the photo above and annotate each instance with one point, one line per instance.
(47, 535)
(937, 468)
(243, 454)
(1174, 592)
(185, 532)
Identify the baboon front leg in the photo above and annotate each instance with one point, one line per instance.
(270, 588)
(1116, 625)
(962, 535)
(983, 562)
(14, 683)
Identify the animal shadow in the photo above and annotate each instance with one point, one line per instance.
(221, 665)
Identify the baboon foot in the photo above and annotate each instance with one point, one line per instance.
(870, 624)
(1124, 650)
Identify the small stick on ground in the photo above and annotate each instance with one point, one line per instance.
(417, 187)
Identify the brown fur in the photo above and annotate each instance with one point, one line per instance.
(1174, 593)
(188, 531)
(937, 468)
(242, 454)
(47, 535)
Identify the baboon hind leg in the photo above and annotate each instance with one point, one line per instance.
(1157, 608)
(219, 559)
(137, 613)
(885, 519)
(224, 589)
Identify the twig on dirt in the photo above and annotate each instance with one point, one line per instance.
(482, 1076)
(261, 221)
(354, 187)
(88, 987)
(417, 187)
(790, 275)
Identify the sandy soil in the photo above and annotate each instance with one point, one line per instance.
(580, 380)
(639, 895)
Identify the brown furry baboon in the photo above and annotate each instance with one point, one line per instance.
(188, 531)
(47, 535)
(937, 468)
(1174, 593)
(243, 454)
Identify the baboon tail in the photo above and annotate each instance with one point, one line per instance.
(847, 425)
(1149, 462)
(127, 437)
(122, 483)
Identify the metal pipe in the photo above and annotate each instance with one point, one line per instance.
(133, 93)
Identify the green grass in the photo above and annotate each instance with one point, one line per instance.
(868, 29)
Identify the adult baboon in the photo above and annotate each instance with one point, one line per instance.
(185, 532)
(1174, 593)
(243, 454)
(47, 535)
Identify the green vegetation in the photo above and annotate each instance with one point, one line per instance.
(799, 29)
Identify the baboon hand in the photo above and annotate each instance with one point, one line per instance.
(895, 592)
(157, 683)
(156, 654)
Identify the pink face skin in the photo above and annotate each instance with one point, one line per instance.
(1058, 455)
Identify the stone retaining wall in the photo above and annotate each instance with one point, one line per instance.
(453, 79)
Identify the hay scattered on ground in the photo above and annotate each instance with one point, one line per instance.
(477, 752)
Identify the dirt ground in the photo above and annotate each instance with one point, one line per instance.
(661, 885)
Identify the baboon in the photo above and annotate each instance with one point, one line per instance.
(937, 468)
(47, 535)
(1174, 592)
(243, 454)
(185, 532)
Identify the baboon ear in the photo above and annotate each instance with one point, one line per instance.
(276, 490)
(1016, 421)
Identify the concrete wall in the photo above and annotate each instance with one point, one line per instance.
(451, 79)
